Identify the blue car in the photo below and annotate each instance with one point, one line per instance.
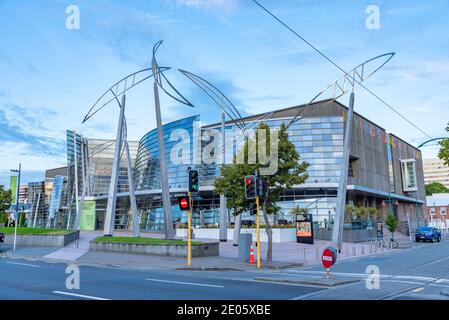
(427, 234)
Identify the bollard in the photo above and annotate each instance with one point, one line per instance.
(363, 249)
(381, 247)
(370, 248)
(347, 251)
(354, 252)
(375, 249)
(304, 256)
(317, 254)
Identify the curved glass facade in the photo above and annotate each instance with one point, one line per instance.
(147, 172)
(318, 138)
(319, 141)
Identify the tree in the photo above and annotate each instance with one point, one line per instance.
(230, 184)
(373, 213)
(5, 199)
(349, 212)
(443, 154)
(290, 171)
(298, 210)
(435, 187)
(392, 223)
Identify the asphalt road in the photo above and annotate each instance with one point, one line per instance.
(419, 273)
(22, 279)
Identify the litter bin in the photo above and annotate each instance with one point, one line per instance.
(245, 240)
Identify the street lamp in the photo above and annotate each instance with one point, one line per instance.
(19, 171)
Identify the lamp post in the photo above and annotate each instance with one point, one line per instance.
(17, 203)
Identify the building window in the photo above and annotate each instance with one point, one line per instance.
(432, 211)
(443, 211)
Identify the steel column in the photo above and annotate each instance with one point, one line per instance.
(132, 195)
(337, 232)
(109, 222)
(169, 234)
(223, 209)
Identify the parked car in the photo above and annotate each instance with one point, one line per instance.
(427, 234)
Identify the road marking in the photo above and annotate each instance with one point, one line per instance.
(24, 264)
(79, 295)
(298, 273)
(418, 289)
(187, 283)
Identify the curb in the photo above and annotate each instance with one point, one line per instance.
(321, 282)
(207, 269)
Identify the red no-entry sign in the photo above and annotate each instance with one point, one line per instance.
(329, 257)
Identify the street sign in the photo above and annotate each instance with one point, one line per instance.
(184, 203)
(329, 257)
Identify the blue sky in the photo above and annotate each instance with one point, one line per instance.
(51, 76)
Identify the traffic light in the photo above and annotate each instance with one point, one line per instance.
(261, 188)
(252, 209)
(194, 185)
(250, 188)
(184, 203)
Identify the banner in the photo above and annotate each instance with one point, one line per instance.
(87, 221)
(13, 187)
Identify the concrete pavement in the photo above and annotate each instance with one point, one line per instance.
(46, 281)
(419, 272)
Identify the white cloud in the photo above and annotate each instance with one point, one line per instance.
(423, 69)
(228, 5)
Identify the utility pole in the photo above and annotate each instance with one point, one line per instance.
(189, 231)
(258, 232)
(337, 232)
(16, 222)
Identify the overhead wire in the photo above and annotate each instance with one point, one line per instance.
(340, 68)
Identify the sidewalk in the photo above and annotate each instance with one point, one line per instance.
(285, 255)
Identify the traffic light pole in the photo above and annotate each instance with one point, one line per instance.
(258, 233)
(189, 233)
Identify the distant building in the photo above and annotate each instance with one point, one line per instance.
(23, 194)
(385, 171)
(436, 171)
(57, 191)
(39, 204)
(437, 210)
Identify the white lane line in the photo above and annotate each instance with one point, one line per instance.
(187, 283)
(297, 273)
(79, 295)
(24, 264)
(418, 289)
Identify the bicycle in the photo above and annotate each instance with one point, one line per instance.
(393, 243)
(379, 242)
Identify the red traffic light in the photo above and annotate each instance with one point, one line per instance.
(184, 203)
(248, 181)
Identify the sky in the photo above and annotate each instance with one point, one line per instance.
(51, 75)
